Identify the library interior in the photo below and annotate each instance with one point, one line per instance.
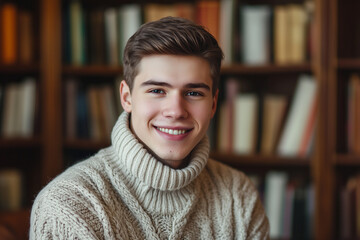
(288, 112)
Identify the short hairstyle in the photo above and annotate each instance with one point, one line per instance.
(173, 36)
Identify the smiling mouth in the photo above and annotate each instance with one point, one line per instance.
(172, 131)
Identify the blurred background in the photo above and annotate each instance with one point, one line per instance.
(288, 112)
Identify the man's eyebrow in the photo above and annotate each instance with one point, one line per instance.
(198, 85)
(155, 82)
(189, 85)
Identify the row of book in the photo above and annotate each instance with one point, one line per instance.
(280, 126)
(11, 190)
(98, 36)
(280, 34)
(17, 45)
(289, 204)
(18, 100)
(349, 209)
(353, 120)
(91, 110)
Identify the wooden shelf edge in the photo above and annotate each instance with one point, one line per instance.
(265, 69)
(260, 160)
(20, 69)
(19, 142)
(349, 63)
(92, 70)
(85, 144)
(347, 160)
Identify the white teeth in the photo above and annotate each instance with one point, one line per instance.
(172, 131)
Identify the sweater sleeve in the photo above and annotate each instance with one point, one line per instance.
(56, 215)
(60, 211)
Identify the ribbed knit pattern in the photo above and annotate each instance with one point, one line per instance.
(123, 192)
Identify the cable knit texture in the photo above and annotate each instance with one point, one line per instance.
(123, 192)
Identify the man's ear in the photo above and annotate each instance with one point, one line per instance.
(125, 96)
(214, 105)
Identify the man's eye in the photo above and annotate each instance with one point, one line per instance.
(157, 91)
(192, 93)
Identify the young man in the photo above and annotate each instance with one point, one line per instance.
(156, 181)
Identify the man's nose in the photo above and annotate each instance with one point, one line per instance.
(175, 107)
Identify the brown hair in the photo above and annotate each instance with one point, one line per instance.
(174, 36)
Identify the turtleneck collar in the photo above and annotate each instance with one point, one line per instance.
(144, 167)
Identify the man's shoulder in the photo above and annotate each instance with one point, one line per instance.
(79, 179)
(230, 177)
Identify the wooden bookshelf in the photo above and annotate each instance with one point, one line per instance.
(241, 69)
(336, 55)
(89, 70)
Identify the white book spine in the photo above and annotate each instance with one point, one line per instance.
(299, 112)
(111, 36)
(130, 21)
(256, 34)
(246, 106)
(27, 106)
(275, 188)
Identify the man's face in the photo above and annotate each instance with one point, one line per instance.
(171, 105)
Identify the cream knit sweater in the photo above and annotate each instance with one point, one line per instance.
(123, 192)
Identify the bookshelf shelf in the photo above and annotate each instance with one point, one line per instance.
(348, 160)
(260, 160)
(101, 70)
(266, 69)
(19, 69)
(18, 143)
(349, 64)
(85, 144)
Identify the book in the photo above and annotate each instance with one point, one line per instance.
(112, 36)
(288, 209)
(232, 89)
(77, 33)
(82, 114)
(255, 34)
(273, 113)
(307, 138)
(9, 35)
(96, 32)
(26, 107)
(299, 112)
(185, 10)
(226, 29)
(223, 130)
(156, 11)
(299, 228)
(11, 190)
(10, 110)
(275, 190)
(291, 34)
(353, 114)
(297, 33)
(281, 35)
(129, 22)
(70, 96)
(26, 37)
(107, 101)
(95, 117)
(208, 15)
(245, 123)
